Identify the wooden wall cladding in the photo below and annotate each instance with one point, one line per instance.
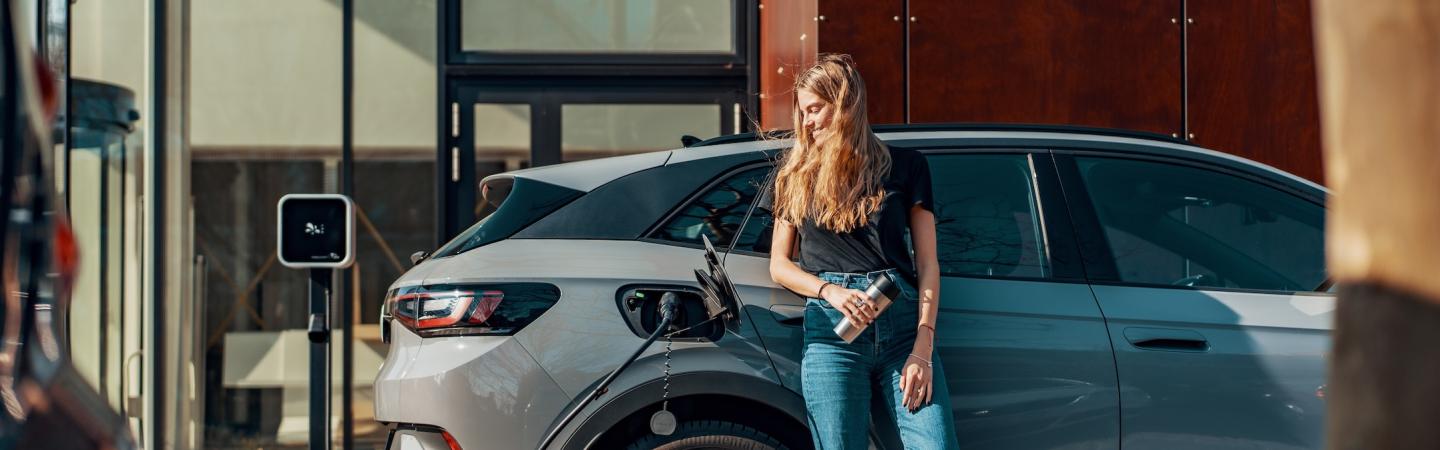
(1252, 82)
(1249, 85)
(872, 32)
(787, 45)
(1112, 63)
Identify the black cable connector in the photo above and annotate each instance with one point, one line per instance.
(668, 306)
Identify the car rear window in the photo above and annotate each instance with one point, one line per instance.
(518, 202)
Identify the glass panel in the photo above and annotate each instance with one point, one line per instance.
(89, 203)
(600, 130)
(102, 208)
(717, 213)
(1177, 225)
(264, 118)
(986, 220)
(107, 70)
(102, 194)
(394, 180)
(502, 144)
(598, 26)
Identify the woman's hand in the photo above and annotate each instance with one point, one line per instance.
(916, 383)
(916, 380)
(854, 304)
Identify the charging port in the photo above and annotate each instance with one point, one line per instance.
(640, 304)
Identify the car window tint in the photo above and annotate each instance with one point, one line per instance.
(986, 219)
(519, 202)
(1179, 225)
(717, 214)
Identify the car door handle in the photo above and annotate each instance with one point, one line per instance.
(1166, 339)
(792, 315)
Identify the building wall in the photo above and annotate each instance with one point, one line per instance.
(1231, 75)
(267, 74)
(257, 109)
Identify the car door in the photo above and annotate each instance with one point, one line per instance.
(1207, 278)
(1025, 349)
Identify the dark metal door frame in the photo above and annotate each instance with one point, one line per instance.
(571, 73)
(456, 159)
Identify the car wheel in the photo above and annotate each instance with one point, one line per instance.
(709, 434)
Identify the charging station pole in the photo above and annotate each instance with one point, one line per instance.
(317, 232)
(319, 333)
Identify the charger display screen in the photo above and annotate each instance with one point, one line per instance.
(313, 230)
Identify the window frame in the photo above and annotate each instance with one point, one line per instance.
(546, 126)
(1097, 254)
(453, 32)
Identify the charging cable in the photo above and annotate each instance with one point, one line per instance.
(668, 304)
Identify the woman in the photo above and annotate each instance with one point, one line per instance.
(849, 200)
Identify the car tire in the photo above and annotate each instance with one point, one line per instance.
(708, 434)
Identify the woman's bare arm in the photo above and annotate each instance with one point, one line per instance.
(785, 272)
(917, 383)
(927, 264)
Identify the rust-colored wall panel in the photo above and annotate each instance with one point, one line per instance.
(787, 45)
(1252, 82)
(872, 33)
(1113, 63)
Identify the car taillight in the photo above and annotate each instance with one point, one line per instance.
(450, 440)
(462, 310)
(45, 83)
(67, 255)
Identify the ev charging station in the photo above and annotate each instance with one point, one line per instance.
(317, 232)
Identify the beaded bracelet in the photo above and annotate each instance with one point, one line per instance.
(932, 331)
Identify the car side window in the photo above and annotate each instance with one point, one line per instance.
(987, 222)
(717, 214)
(1179, 225)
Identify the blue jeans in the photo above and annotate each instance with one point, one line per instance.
(839, 379)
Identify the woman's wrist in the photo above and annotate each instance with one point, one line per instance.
(924, 338)
(922, 359)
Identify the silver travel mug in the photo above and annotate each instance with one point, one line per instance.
(881, 291)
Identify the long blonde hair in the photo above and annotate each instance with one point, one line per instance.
(837, 182)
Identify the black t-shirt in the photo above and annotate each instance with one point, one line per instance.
(883, 243)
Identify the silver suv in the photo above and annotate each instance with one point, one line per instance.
(1100, 288)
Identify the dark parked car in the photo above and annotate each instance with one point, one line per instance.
(1099, 288)
(44, 402)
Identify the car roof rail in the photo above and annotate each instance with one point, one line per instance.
(975, 126)
(741, 137)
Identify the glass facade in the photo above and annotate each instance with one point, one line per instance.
(394, 189)
(598, 26)
(102, 197)
(175, 217)
(99, 171)
(264, 120)
(502, 143)
(601, 130)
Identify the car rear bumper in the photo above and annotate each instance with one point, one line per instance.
(486, 391)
